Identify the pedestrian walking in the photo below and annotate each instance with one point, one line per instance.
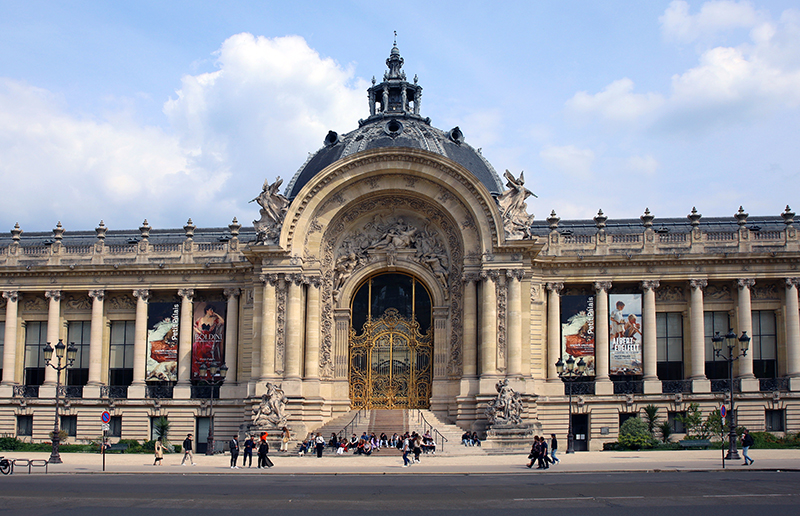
(285, 436)
(747, 442)
(159, 453)
(406, 449)
(249, 444)
(553, 449)
(544, 460)
(234, 447)
(187, 451)
(535, 450)
(319, 443)
(417, 447)
(263, 450)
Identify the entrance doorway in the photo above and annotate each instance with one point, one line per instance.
(580, 428)
(391, 344)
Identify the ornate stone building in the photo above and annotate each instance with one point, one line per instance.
(398, 271)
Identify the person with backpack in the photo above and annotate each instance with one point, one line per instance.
(747, 442)
(187, 451)
(535, 450)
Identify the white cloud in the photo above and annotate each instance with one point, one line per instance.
(569, 160)
(729, 84)
(269, 102)
(714, 17)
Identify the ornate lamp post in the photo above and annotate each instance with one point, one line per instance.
(744, 345)
(72, 352)
(214, 376)
(569, 375)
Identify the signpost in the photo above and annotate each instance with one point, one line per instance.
(723, 412)
(106, 419)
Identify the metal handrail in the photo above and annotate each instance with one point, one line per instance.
(344, 432)
(426, 426)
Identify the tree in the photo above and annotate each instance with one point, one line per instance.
(651, 416)
(161, 430)
(666, 430)
(693, 422)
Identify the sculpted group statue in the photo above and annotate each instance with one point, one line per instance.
(271, 410)
(513, 208)
(506, 408)
(273, 210)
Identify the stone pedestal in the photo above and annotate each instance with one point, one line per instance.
(509, 436)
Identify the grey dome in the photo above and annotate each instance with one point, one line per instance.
(395, 121)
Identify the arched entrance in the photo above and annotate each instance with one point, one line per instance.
(391, 344)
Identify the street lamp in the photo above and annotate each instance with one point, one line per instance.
(213, 375)
(72, 352)
(744, 345)
(569, 375)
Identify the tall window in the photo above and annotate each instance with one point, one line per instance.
(35, 340)
(115, 426)
(120, 356)
(24, 426)
(69, 424)
(669, 345)
(716, 367)
(79, 334)
(764, 344)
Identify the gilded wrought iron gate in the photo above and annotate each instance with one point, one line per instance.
(390, 364)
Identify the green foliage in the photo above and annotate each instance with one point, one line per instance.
(665, 427)
(161, 428)
(766, 440)
(633, 435)
(651, 416)
(693, 421)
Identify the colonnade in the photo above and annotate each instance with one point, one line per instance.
(696, 337)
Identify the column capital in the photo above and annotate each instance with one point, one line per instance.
(470, 277)
(97, 295)
(11, 295)
(555, 286)
(602, 285)
(650, 284)
(792, 282)
(490, 275)
(515, 274)
(745, 283)
(695, 284)
(231, 292)
(296, 278)
(271, 279)
(186, 293)
(55, 295)
(142, 293)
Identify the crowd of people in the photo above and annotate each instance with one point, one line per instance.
(539, 452)
(367, 444)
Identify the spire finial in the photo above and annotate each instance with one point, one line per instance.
(395, 38)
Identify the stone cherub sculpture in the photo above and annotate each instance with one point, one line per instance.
(273, 210)
(271, 410)
(516, 220)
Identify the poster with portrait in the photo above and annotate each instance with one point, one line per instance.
(163, 324)
(208, 330)
(625, 334)
(577, 329)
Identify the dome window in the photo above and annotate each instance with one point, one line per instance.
(393, 128)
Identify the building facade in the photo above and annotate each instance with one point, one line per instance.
(398, 271)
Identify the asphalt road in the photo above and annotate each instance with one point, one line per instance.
(666, 493)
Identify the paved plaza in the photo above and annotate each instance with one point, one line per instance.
(391, 463)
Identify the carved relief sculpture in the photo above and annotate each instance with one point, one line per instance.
(513, 208)
(271, 410)
(273, 210)
(506, 407)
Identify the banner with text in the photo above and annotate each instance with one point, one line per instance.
(163, 323)
(625, 334)
(208, 343)
(577, 329)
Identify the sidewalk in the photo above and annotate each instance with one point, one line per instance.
(289, 464)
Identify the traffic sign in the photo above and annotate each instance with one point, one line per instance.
(723, 411)
(106, 417)
(106, 427)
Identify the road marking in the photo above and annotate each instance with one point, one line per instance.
(561, 499)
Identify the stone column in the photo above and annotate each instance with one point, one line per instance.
(488, 344)
(311, 354)
(792, 334)
(96, 337)
(295, 328)
(553, 328)
(137, 388)
(53, 332)
(268, 328)
(514, 277)
(10, 338)
(185, 344)
(649, 338)
(603, 383)
(749, 382)
(341, 319)
(697, 340)
(470, 327)
(232, 334)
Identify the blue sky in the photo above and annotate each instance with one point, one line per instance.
(170, 110)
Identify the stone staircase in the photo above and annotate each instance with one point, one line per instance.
(420, 420)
